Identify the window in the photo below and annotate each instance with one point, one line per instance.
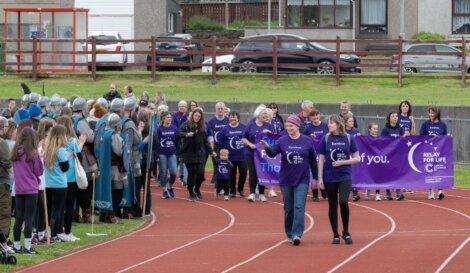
(171, 22)
(445, 49)
(373, 16)
(422, 48)
(319, 13)
(461, 16)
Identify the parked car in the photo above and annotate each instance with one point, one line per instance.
(284, 60)
(430, 63)
(184, 51)
(223, 63)
(107, 41)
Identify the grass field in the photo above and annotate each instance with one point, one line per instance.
(373, 91)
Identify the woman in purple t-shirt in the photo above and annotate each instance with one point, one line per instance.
(259, 125)
(298, 164)
(405, 118)
(338, 152)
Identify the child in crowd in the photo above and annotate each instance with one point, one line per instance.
(373, 131)
(224, 169)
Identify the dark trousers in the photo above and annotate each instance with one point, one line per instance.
(40, 218)
(117, 198)
(195, 177)
(55, 207)
(84, 197)
(140, 186)
(25, 208)
(214, 170)
(250, 161)
(223, 184)
(72, 192)
(242, 172)
(342, 189)
(6, 208)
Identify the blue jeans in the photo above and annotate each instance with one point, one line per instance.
(295, 198)
(167, 162)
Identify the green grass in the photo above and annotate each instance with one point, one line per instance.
(462, 176)
(374, 91)
(79, 230)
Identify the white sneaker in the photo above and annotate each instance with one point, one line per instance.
(431, 195)
(225, 197)
(63, 237)
(262, 198)
(272, 193)
(251, 197)
(367, 195)
(73, 238)
(377, 197)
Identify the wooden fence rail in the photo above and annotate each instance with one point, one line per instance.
(31, 61)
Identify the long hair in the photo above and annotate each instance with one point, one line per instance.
(340, 122)
(57, 138)
(200, 125)
(44, 125)
(28, 140)
(436, 111)
(12, 128)
(163, 115)
(143, 116)
(409, 106)
(67, 122)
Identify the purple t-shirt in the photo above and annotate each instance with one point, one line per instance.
(178, 119)
(231, 139)
(167, 139)
(388, 131)
(277, 124)
(433, 128)
(405, 123)
(216, 125)
(223, 169)
(296, 155)
(250, 133)
(336, 148)
(352, 132)
(319, 130)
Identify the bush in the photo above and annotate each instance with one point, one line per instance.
(237, 24)
(203, 23)
(428, 36)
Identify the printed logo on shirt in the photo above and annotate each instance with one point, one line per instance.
(166, 142)
(337, 154)
(236, 143)
(223, 169)
(294, 158)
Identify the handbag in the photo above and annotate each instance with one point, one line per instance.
(80, 174)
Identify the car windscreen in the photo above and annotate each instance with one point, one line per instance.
(105, 39)
(170, 44)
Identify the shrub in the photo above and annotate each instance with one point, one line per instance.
(204, 23)
(428, 36)
(237, 24)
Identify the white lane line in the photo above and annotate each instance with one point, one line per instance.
(270, 248)
(441, 207)
(392, 229)
(444, 264)
(232, 222)
(91, 247)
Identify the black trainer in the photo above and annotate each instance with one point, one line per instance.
(323, 194)
(347, 239)
(242, 193)
(316, 199)
(441, 195)
(30, 251)
(336, 240)
(356, 197)
(18, 251)
(296, 241)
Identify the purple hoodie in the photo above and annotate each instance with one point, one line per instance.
(27, 173)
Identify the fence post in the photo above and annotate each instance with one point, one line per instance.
(35, 59)
(93, 58)
(153, 58)
(275, 58)
(400, 61)
(214, 62)
(464, 62)
(338, 60)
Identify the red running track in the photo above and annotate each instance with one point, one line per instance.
(413, 235)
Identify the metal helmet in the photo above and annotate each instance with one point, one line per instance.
(103, 102)
(34, 97)
(25, 99)
(79, 104)
(129, 104)
(55, 100)
(113, 120)
(116, 105)
(63, 102)
(44, 101)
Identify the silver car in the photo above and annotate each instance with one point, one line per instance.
(430, 63)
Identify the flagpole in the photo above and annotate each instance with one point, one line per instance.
(93, 213)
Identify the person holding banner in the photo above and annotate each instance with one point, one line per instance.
(434, 126)
(316, 129)
(298, 165)
(349, 122)
(259, 125)
(338, 151)
(393, 129)
(373, 130)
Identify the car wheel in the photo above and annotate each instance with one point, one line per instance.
(325, 69)
(247, 67)
(224, 68)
